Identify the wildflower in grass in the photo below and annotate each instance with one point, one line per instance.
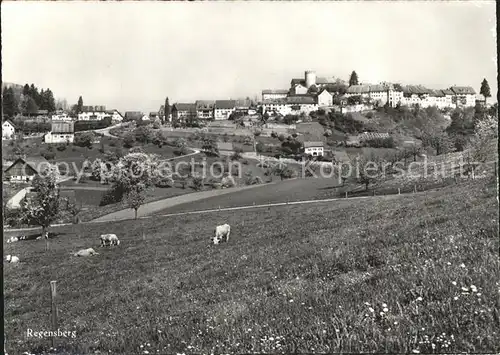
(453, 283)
(386, 310)
(473, 288)
(371, 309)
(384, 305)
(395, 323)
(381, 314)
(419, 299)
(448, 263)
(478, 294)
(455, 298)
(366, 303)
(415, 351)
(465, 289)
(462, 265)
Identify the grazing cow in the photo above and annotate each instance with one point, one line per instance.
(12, 259)
(12, 240)
(86, 252)
(222, 234)
(109, 239)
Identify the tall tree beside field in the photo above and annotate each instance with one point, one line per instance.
(353, 80)
(135, 198)
(9, 104)
(79, 105)
(133, 175)
(45, 207)
(485, 89)
(166, 111)
(26, 89)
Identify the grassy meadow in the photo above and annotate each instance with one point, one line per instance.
(411, 273)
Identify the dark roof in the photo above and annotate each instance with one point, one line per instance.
(38, 164)
(358, 89)
(323, 80)
(416, 89)
(204, 104)
(133, 115)
(298, 81)
(279, 91)
(184, 107)
(225, 145)
(463, 90)
(63, 127)
(300, 99)
(12, 123)
(225, 104)
(447, 92)
(310, 144)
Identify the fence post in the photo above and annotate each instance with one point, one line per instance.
(53, 295)
(373, 192)
(399, 191)
(346, 194)
(415, 188)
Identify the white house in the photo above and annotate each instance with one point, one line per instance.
(61, 132)
(325, 99)
(92, 115)
(274, 94)
(313, 148)
(299, 89)
(464, 96)
(302, 104)
(115, 115)
(205, 109)
(61, 117)
(223, 109)
(8, 129)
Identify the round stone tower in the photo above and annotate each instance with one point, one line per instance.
(310, 77)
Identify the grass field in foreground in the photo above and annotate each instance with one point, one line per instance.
(390, 274)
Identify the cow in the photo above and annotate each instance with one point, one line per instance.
(12, 259)
(109, 239)
(222, 234)
(12, 239)
(86, 252)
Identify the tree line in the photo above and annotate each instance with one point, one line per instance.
(27, 101)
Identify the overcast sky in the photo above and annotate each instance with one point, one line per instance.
(131, 55)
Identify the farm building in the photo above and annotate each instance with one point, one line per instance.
(61, 132)
(225, 147)
(182, 112)
(314, 148)
(223, 109)
(8, 129)
(25, 169)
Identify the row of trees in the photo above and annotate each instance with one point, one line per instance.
(27, 101)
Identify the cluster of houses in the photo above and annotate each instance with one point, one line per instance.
(311, 93)
(208, 110)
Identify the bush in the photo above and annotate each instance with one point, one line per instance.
(136, 150)
(164, 181)
(84, 139)
(143, 134)
(48, 155)
(110, 197)
(244, 162)
(228, 181)
(197, 182)
(380, 143)
(61, 147)
(129, 140)
(369, 115)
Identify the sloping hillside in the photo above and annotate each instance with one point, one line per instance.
(395, 274)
